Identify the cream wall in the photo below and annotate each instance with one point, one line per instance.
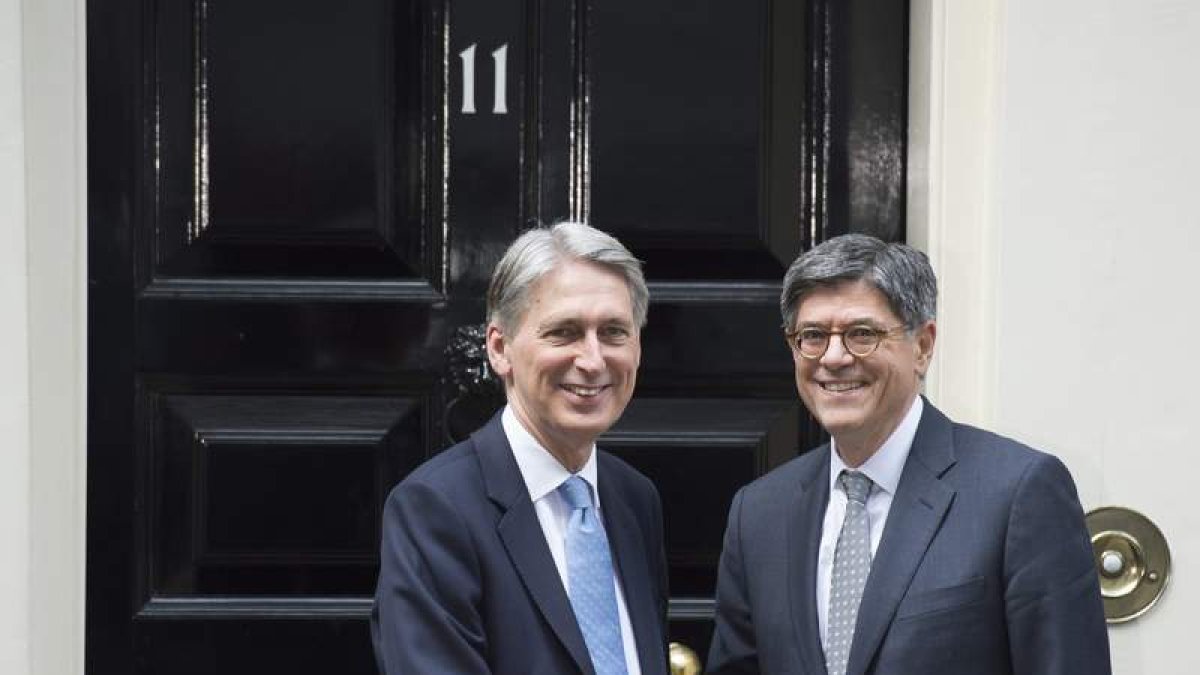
(42, 345)
(1055, 161)
(14, 349)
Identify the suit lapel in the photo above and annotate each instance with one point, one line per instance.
(920, 504)
(805, 517)
(522, 536)
(627, 541)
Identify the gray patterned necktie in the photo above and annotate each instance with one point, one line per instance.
(851, 565)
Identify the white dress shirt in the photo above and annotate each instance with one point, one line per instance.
(543, 474)
(884, 469)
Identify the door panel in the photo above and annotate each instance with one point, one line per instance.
(273, 495)
(295, 148)
(294, 211)
(700, 451)
(682, 139)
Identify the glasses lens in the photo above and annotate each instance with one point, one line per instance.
(812, 342)
(861, 340)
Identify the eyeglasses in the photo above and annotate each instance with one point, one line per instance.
(861, 341)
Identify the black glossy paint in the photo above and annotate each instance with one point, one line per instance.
(290, 215)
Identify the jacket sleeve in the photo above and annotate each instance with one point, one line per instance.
(1053, 607)
(426, 616)
(658, 554)
(733, 649)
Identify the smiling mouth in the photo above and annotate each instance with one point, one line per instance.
(584, 392)
(841, 387)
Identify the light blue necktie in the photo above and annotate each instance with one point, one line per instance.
(590, 578)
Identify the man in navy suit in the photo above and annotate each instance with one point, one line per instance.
(910, 544)
(524, 550)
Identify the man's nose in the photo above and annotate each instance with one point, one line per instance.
(589, 357)
(836, 355)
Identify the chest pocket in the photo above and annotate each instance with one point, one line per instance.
(942, 599)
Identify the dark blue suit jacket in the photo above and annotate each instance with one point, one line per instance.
(984, 568)
(467, 583)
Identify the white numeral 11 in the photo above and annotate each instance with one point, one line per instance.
(499, 93)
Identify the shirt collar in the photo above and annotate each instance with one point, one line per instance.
(885, 466)
(540, 470)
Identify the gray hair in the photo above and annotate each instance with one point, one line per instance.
(540, 250)
(900, 272)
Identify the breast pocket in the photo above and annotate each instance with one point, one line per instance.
(942, 599)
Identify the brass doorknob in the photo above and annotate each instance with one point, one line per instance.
(683, 660)
(1133, 560)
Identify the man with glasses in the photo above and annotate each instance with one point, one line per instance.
(909, 544)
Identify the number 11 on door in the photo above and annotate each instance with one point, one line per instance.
(500, 89)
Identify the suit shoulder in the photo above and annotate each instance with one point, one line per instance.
(447, 470)
(973, 439)
(785, 477)
(1000, 455)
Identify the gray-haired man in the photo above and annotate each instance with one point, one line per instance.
(909, 544)
(524, 550)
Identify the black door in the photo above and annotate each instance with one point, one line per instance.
(294, 209)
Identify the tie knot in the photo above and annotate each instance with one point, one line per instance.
(575, 491)
(856, 485)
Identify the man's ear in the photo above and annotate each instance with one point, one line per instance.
(925, 336)
(496, 350)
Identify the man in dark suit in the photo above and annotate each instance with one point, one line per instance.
(909, 545)
(523, 550)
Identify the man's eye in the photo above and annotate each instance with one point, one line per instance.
(614, 333)
(562, 333)
(861, 333)
(811, 335)
(864, 336)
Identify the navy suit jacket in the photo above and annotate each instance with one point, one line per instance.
(467, 583)
(984, 567)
